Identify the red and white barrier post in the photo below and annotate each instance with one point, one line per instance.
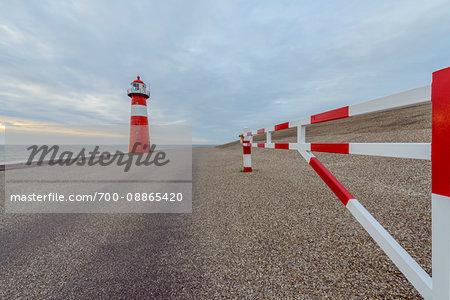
(247, 139)
(440, 183)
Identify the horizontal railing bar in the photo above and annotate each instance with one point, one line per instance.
(400, 150)
(288, 146)
(396, 101)
(397, 150)
(404, 99)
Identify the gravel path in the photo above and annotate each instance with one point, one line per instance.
(277, 232)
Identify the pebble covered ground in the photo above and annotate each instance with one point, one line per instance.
(277, 232)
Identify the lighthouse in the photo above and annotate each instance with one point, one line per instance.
(139, 136)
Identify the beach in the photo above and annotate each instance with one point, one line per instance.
(277, 232)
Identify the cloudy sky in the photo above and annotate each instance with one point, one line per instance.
(217, 65)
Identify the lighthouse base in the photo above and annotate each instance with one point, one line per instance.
(139, 139)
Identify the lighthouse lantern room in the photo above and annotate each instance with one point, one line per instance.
(139, 135)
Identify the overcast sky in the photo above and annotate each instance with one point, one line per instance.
(217, 65)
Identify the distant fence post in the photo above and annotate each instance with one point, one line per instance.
(440, 183)
(247, 149)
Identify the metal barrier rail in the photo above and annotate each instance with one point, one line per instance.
(438, 152)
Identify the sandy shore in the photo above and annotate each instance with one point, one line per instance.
(277, 232)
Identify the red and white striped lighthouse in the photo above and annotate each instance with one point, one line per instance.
(139, 136)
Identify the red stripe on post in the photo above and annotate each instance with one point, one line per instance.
(330, 147)
(440, 147)
(330, 115)
(261, 145)
(247, 150)
(138, 120)
(338, 189)
(281, 145)
(259, 131)
(282, 126)
(247, 169)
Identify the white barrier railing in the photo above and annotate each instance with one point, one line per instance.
(438, 152)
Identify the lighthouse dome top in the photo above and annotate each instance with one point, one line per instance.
(138, 80)
(138, 88)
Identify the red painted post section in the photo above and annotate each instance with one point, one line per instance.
(330, 147)
(282, 146)
(440, 146)
(282, 126)
(338, 189)
(330, 115)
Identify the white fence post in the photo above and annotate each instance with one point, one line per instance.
(247, 150)
(301, 134)
(440, 183)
